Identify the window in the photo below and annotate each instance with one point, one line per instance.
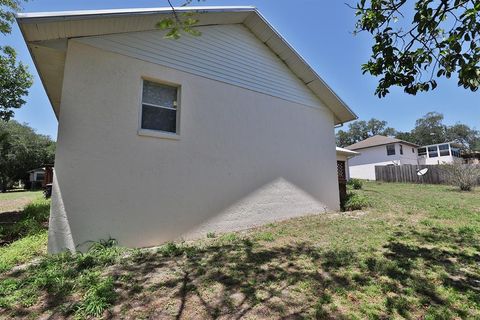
(390, 149)
(413, 150)
(444, 150)
(159, 107)
(456, 152)
(40, 176)
(401, 149)
(432, 152)
(422, 151)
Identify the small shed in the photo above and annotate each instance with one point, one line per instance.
(343, 155)
(39, 177)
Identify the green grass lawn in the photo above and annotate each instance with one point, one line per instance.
(414, 254)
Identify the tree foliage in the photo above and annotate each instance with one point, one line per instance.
(15, 80)
(360, 130)
(179, 23)
(14, 83)
(430, 129)
(21, 150)
(7, 14)
(440, 39)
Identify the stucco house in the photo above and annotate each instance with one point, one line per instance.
(380, 151)
(163, 139)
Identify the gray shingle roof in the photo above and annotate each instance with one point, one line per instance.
(377, 140)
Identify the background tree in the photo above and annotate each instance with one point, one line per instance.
(430, 129)
(21, 149)
(360, 130)
(14, 83)
(440, 39)
(469, 138)
(14, 77)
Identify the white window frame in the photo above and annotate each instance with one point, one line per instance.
(158, 133)
(394, 149)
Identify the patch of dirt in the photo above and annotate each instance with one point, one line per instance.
(12, 205)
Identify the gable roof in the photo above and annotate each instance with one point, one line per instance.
(377, 140)
(47, 33)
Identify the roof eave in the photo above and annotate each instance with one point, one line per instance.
(266, 33)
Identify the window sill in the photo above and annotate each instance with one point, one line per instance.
(158, 134)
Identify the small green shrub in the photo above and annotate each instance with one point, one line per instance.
(356, 201)
(170, 250)
(211, 235)
(356, 184)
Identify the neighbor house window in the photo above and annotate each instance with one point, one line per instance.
(40, 176)
(444, 150)
(422, 151)
(456, 152)
(390, 149)
(432, 152)
(413, 150)
(159, 107)
(401, 149)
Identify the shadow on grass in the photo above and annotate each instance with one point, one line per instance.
(242, 278)
(428, 272)
(230, 280)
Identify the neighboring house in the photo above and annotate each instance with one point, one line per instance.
(380, 151)
(161, 139)
(39, 177)
(36, 178)
(383, 151)
(439, 153)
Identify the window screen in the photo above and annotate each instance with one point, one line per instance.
(432, 152)
(390, 149)
(422, 151)
(444, 150)
(456, 152)
(159, 107)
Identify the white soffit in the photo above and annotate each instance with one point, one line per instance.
(47, 32)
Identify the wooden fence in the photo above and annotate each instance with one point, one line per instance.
(408, 173)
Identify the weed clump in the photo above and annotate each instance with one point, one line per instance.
(356, 184)
(356, 201)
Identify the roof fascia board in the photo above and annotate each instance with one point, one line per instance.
(35, 17)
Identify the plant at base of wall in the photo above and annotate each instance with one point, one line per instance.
(356, 201)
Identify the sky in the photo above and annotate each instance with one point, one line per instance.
(321, 31)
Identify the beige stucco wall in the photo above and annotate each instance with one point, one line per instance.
(243, 158)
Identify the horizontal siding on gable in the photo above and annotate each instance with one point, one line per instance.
(228, 53)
